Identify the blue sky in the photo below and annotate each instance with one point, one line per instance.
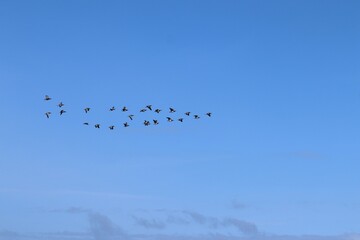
(280, 154)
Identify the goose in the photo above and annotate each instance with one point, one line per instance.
(48, 114)
(149, 107)
(187, 113)
(62, 111)
(111, 127)
(169, 119)
(97, 125)
(156, 122)
(112, 108)
(196, 116)
(146, 123)
(60, 104)
(180, 119)
(172, 110)
(126, 124)
(157, 110)
(86, 123)
(143, 110)
(86, 110)
(124, 109)
(209, 114)
(47, 98)
(131, 117)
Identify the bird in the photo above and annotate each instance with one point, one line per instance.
(187, 113)
(111, 127)
(196, 116)
(48, 114)
(47, 98)
(149, 107)
(86, 123)
(143, 110)
(112, 108)
(209, 114)
(60, 104)
(87, 109)
(180, 119)
(131, 117)
(157, 110)
(62, 111)
(97, 125)
(172, 110)
(126, 124)
(124, 109)
(146, 123)
(156, 122)
(169, 119)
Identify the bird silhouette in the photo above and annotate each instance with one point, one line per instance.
(47, 98)
(196, 116)
(124, 109)
(209, 114)
(111, 127)
(97, 125)
(169, 119)
(131, 117)
(172, 110)
(146, 123)
(86, 110)
(149, 107)
(86, 123)
(180, 119)
(48, 114)
(143, 110)
(60, 104)
(157, 110)
(126, 124)
(62, 111)
(156, 122)
(187, 113)
(112, 108)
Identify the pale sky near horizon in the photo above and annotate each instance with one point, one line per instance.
(280, 155)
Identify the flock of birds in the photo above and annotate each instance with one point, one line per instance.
(130, 116)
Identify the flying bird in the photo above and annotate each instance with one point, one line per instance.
(112, 108)
(60, 104)
(172, 110)
(124, 109)
(156, 122)
(180, 119)
(111, 127)
(47, 98)
(146, 123)
(157, 110)
(97, 125)
(209, 114)
(126, 124)
(62, 111)
(169, 119)
(196, 116)
(131, 117)
(86, 110)
(187, 113)
(86, 123)
(149, 107)
(48, 114)
(143, 110)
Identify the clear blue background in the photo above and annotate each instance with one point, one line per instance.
(281, 77)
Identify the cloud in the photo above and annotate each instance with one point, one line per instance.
(102, 228)
(243, 226)
(149, 223)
